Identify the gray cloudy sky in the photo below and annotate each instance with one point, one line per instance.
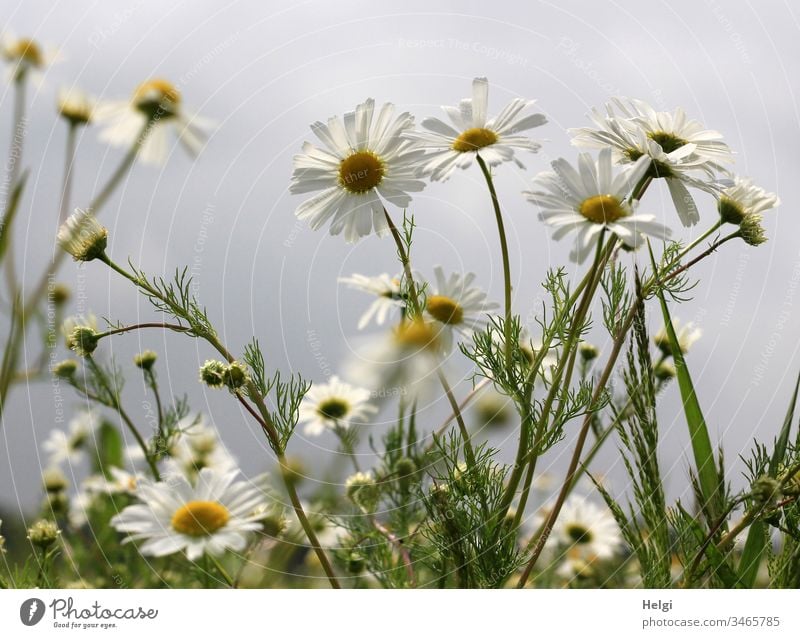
(265, 70)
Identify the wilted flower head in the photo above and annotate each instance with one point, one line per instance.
(235, 376)
(75, 106)
(82, 236)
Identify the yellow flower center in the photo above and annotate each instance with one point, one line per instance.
(333, 408)
(157, 97)
(602, 209)
(361, 172)
(200, 518)
(416, 335)
(474, 139)
(28, 51)
(445, 309)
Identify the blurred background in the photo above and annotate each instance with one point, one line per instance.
(263, 71)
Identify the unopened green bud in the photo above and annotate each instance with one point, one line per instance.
(145, 360)
(665, 370)
(588, 351)
(235, 376)
(65, 369)
(211, 373)
(54, 480)
(765, 491)
(362, 489)
(83, 341)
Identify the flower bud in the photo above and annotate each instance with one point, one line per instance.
(43, 533)
(751, 231)
(145, 360)
(211, 373)
(765, 491)
(83, 341)
(60, 294)
(65, 369)
(235, 376)
(362, 489)
(665, 370)
(588, 351)
(54, 480)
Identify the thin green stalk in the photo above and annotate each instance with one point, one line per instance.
(504, 253)
(117, 405)
(69, 162)
(15, 162)
(262, 416)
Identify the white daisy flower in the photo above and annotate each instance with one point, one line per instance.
(160, 103)
(586, 531)
(75, 106)
(680, 148)
(26, 57)
(687, 335)
(494, 140)
(401, 361)
(197, 447)
(71, 445)
(365, 160)
(456, 305)
(119, 482)
(744, 198)
(590, 199)
(335, 404)
(79, 506)
(214, 515)
(385, 288)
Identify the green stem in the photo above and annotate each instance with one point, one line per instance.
(262, 416)
(117, 405)
(498, 214)
(69, 162)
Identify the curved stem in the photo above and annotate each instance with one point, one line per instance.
(260, 414)
(501, 231)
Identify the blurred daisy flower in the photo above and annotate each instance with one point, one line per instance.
(456, 305)
(70, 446)
(155, 107)
(400, 361)
(118, 481)
(680, 149)
(216, 514)
(198, 446)
(75, 106)
(586, 531)
(473, 134)
(590, 199)
(333, 405)
(26, 57)
(743, 199)
(364, 161)
(385, 288)
(687, 335)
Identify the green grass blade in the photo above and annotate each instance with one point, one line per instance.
(11, 213)
(757, 535)
(702, 449)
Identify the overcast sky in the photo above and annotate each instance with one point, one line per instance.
(265, 70)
